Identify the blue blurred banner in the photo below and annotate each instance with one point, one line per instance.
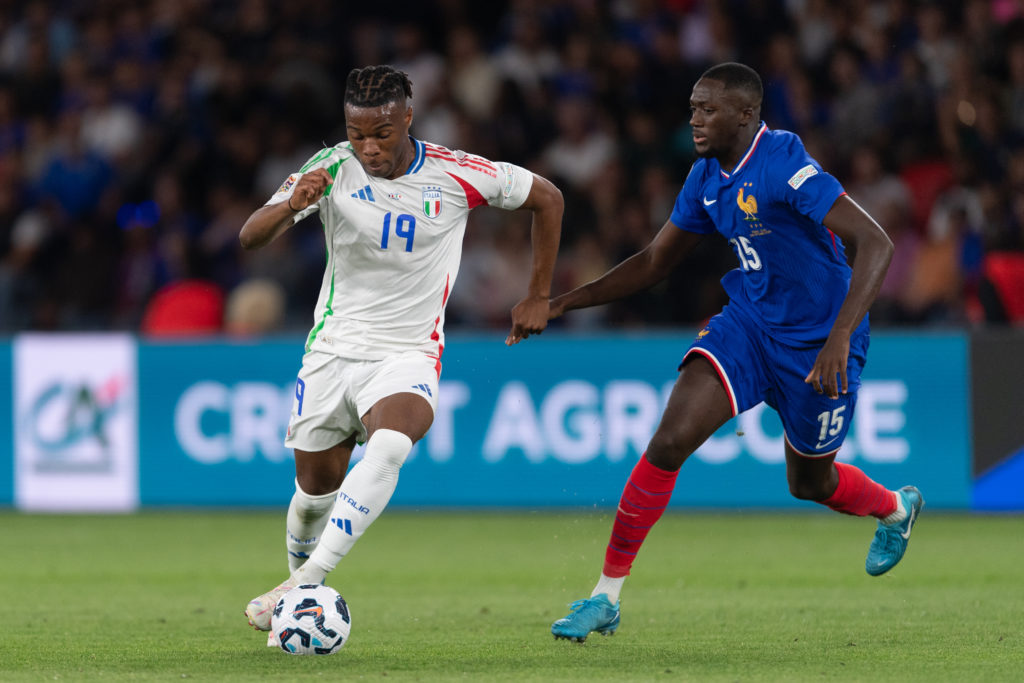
(212, 419)
(555, 421)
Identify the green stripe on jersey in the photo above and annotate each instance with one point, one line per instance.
(333, 170)
(329, 307)
(319, 156)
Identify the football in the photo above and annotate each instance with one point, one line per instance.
(311, 620)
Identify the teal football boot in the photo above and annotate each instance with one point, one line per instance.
(593, 614)
(890, 540)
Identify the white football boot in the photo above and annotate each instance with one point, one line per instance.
(259, 610)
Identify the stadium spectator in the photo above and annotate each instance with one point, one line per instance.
(881, 193)
(474, 77)
(424, 66)
(37, 83)
(213, 88)
(76, 176)
(885, 196)
(852, 120)
(111, 129)
(935, 46)
(286, 152)
(19, 279)
(527, 59)
(12, 127)
(254, 308)
(576, 73)
(794, 334)
(909, 113)
(583, 145)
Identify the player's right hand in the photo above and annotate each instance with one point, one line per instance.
(529, 316)
(556, 307)
(828, 376)
(310, 189)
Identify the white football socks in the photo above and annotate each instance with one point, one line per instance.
(307, 517)
(610, 586)
(363, 496)
(899, 514)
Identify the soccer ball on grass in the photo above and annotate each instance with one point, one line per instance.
(311, 620)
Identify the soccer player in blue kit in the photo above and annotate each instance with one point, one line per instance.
(794, 333)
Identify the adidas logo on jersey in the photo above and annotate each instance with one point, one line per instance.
(365, 193)
(424, 388)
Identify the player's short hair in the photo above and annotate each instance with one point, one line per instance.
(736, 76)
(374, 86)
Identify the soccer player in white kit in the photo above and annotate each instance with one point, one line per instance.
(394, 212)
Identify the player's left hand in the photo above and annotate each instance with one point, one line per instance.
(529, 316)
(830, 364)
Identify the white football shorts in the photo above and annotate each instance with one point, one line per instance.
(333, 393)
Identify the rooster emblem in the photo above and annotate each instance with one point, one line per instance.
(748, 205)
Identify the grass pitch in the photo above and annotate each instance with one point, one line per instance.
(456, 596)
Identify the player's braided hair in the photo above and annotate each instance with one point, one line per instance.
(736, 76)
(374, 86)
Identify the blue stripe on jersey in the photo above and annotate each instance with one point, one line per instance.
(421, 155)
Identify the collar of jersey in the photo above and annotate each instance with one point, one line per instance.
(419, 158)
(750, 152)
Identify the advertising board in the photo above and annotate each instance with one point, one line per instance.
(74, 423)
(556, 421)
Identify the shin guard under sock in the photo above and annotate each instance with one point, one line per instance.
(647, 493)
(858, 495)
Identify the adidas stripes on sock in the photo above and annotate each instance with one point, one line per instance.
(363, 496)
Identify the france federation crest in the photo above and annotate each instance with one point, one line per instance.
(431, 202)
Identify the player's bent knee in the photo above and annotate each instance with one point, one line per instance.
(314, 485)
(809, 490)
(388, 447)
(308, 507)
(667, 452)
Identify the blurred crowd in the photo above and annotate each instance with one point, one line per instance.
(136, 136)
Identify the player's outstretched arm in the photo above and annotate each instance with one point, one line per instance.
(268, 222)
(873, 250)
(530, 316)
(640, 271)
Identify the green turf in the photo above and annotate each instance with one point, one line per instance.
(434, 596)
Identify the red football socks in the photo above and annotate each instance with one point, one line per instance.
(859, 495)
(647, 493)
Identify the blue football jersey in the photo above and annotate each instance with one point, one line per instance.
(793, 276)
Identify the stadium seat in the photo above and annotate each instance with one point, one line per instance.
(1004, 270)
(926, 181)
(184, 308)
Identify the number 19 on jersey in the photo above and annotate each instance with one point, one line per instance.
(405, 228)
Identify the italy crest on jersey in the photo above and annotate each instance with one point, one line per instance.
(431, 202)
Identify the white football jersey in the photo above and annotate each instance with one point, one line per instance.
(394, 246)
